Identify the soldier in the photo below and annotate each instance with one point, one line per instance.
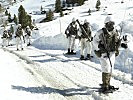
(19, 37)
(5, 38)
(28, 35)
(71, 34)
(106, 42)
(10, 37)
(85, 38)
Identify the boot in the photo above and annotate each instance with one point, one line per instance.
(105, 80)
(28, 44)
(68, 51)
(73, 53)
(88, 57)
(111, 87)
(82, 57)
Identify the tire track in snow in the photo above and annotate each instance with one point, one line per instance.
(94, 95)
(42, 76)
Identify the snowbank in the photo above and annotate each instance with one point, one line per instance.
(58, 42)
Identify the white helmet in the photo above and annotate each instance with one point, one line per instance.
(85, 21)
(73, 20)
(28, 27)
(19, 25)
(108, 19)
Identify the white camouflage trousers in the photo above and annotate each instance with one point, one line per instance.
(71, 42)
(28, 39)
(105, 63)
(4, 42)
(19, 41)
(86, 47)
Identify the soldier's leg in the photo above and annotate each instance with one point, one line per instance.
(72, 45)
(69, 44)
(89, 49)
(21, 44)
(105, 81)
(82, 49)
(17, 42)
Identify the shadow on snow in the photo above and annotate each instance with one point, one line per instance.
(49, 90)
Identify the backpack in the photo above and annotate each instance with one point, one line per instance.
(72, 30)
(109, 42)
(19, 33)
(28, 32)
(5, 35)
(88, 31)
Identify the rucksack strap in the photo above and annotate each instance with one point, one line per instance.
(105, 31)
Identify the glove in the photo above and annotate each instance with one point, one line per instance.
(116, 52)
(79, 38)
(123, 45)
(101, 46)
(98, 53)
(91, 38)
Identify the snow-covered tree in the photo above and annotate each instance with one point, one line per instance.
(57, 6)
(98, 3)
(63, 3)
(24, 18)
(41, 8)
(11, 29)
(80, 2)
(1, 8)
(49, 15)
(15, 19)
(61, 13)
(89, 11)
(6, 13)
(9, 18)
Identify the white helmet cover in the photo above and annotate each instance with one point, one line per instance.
(108, 19)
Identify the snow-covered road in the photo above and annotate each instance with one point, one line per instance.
(38, 74)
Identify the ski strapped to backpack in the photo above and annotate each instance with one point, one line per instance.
(83, 30)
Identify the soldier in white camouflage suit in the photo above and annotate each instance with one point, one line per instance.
(19, 37)
(28, 35)
(5, 37)
(71, 34)
(85, 39)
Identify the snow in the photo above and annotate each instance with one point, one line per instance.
(43, 72)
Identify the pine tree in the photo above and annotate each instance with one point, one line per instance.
(11, 29)
(22, 16)
(89, 11)
(63, 3)
(41, 8)
(57, 6)
(28, 21)
(80, 2)
(6, 13)
(68, 5)
(15, 19)
(1, 8)
(49, 15)
(98, 5)
(9, 18)
(61, 13)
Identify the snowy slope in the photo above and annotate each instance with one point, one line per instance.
(48, 74)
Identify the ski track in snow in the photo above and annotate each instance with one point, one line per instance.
(62, 81)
